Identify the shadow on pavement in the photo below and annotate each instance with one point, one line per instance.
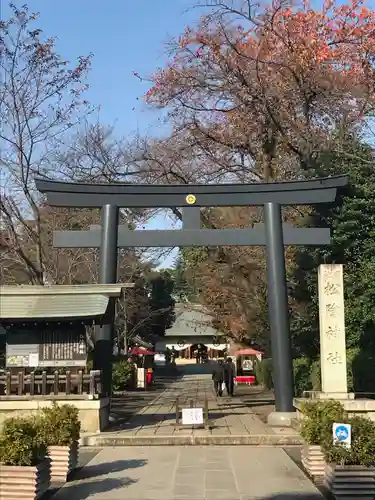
(126, 404)
(81, 491)
(145, 420)
(258, 402)
(91, 471)
(196, 369)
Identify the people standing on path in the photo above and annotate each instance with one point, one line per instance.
(168, 355)
(218, 377)
(197, 357)
(229, 375)
(174, 355)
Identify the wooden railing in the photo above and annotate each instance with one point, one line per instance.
(55, 384)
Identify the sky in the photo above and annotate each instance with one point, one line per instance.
(124, 36)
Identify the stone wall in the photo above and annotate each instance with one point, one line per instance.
(93, 414)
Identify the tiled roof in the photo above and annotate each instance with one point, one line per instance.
(56, 301)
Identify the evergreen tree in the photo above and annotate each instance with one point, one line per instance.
(352, 222)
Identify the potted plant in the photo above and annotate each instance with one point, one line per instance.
(351, 471)
(316, 426)
(60, 431)
(25, 468)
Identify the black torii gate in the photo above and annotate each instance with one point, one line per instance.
(273, 234)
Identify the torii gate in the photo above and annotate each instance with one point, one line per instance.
(273, 235)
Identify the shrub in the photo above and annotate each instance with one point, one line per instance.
(362, 450)
(315, 377)
(363, 372)
(258, 371)
(301, 369)
(59, 425)
(266, 368)
(20, 443)
(316, 426)
(351, 354)
(122, 374)
(360, 372)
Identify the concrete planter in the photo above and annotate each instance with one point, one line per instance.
(28, 483)
(313, 460)
(64, 459)
(350, 481)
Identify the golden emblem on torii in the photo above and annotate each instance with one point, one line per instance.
(190, 199)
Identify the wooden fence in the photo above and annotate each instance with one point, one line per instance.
(56, 384)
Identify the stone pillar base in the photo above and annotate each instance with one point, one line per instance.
(329, 395)
(93, 414)
(281, 418)
(363, 407)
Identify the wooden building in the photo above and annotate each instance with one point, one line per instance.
(46, 348)
(193, 327)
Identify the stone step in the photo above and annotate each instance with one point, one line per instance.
(103, 440)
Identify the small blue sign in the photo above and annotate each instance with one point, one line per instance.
(342, 433)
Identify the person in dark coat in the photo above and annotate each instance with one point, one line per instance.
(229, 375)
(218, 377)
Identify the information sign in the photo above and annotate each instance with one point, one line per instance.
(45, 347)
(192, 416)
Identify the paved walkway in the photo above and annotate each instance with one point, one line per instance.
(231, 419)
(190, 473)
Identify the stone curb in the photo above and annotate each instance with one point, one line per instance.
(192, 440)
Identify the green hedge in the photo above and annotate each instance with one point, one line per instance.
(59, 425)
(20, 443)
(301, 371)
(315, 376)
(122, 374)
(263, 373)
(307, 374)
(360, 370)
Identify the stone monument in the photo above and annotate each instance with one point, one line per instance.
(332, 331)
(333, 347)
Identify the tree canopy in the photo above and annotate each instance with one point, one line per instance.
(260, 92)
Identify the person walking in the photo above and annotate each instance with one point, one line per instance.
(218, 377)
(229, 375)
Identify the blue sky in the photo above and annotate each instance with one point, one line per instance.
(124, 36)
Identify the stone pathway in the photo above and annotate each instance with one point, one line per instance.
(231, 420)
(190, 473)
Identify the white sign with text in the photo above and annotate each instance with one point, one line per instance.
(192, 416)
(34, 360)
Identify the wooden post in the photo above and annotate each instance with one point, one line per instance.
(20, 383)
(32, 383)
(206, 422)
(68, 383)
(44, 383)
(177, 410)
(80, 382)
(8, 384)
(56, 383)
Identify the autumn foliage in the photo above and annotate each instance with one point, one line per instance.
(281, 83)
(260, 94)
